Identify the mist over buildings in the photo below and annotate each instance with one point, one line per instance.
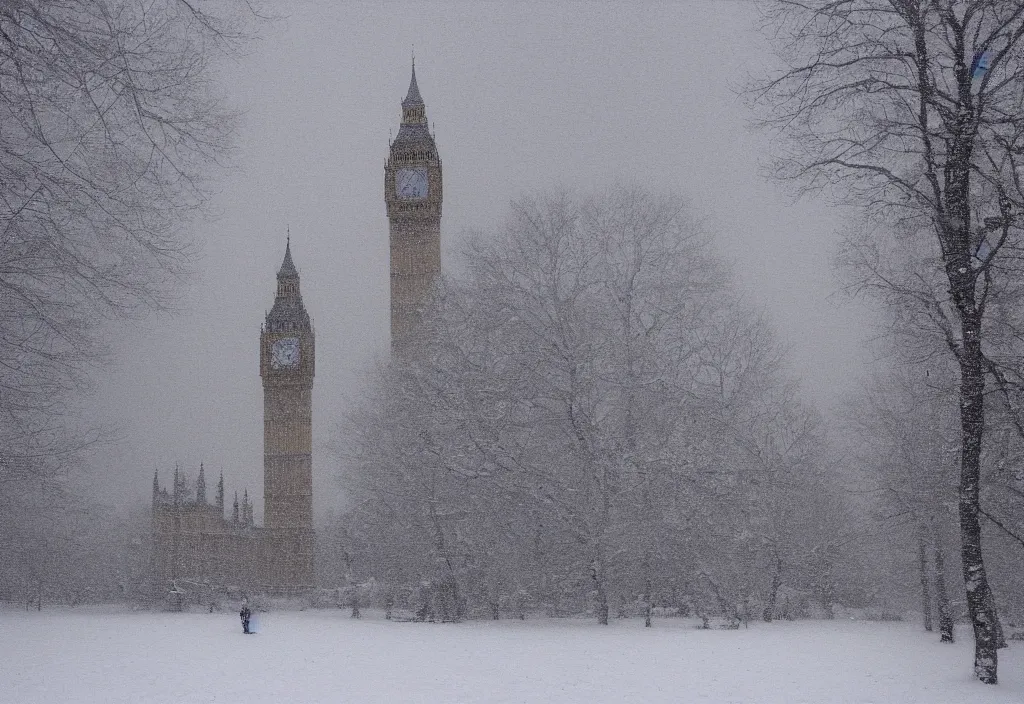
(521, 98)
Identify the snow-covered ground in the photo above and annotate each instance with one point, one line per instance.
(110, 655)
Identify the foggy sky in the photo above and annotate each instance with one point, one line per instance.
(522, 97)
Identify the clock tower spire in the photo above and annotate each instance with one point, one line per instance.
(412, 195)
(287, 355)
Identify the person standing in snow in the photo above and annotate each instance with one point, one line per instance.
(245, 614)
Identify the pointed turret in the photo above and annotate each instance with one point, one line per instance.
(201, 486)
(288, 313)
(413, 97)
(287, 266)
(220, 495)
(414, 113)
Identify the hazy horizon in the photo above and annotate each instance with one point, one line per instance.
(587, 95)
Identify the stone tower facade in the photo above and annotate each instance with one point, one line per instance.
(194, 546)
(412, 194)
(287, 363)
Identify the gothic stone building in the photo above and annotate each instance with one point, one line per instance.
(193, 542)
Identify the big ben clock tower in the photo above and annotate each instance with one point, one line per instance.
(287, 355)
(412, 194)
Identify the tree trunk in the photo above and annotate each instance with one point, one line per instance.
(448, 600)
(942, 596)
(602, 596)
(647, 559)
(827, 604)
(425, 607)
(647, 602)
(447, 597)
(972, 421)
(519, 604)
(926, 597)
(827, 593)
(773, 595)
(997, 624)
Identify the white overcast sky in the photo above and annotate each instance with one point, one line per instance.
(522, 97)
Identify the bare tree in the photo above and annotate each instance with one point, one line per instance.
(911, 110)
(592, 418)
(111, 125)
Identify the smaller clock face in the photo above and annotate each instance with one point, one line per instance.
(284, 353)
(411, 184)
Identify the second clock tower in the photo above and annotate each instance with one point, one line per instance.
(287, 356)
(412, 194)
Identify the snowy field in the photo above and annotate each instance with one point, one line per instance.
(110, 655)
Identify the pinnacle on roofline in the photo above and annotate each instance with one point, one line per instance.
(413, 97)
(288, 266)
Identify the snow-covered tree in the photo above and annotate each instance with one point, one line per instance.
(592, 417)
(910, 111)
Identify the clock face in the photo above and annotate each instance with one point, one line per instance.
(284, 353)
(411, 184)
